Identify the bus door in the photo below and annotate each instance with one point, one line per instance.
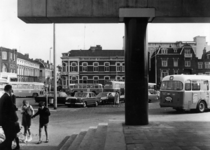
(204, 86)
(196, 92)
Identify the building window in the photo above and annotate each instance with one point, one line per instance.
(164, 63)
(118, 78)
(176, 62)
(164, 51)
(207, 65)
(4, 68)
(118, 67)
(164, 73)
(73, 79)
(106, 66)
(208, 56)
(106, 79)
(187, 63)
(64, 67)
(4, 55)
(123, 78)
(200, 65)
(11, 56)
(95, 79)
(73, 67)
(84, 67)
(123, 67)
(187, 51)
(176, 71)
(95, 66)
(84, 79)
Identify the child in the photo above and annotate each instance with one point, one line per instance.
(27, 112)
(44, 114)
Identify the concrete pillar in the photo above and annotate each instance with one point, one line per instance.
(136, 71)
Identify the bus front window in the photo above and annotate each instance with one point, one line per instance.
(171, 85)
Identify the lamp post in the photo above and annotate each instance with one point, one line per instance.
(55, 71)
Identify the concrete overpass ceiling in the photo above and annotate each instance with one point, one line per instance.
(107, 11)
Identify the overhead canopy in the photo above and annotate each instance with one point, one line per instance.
(113, 11)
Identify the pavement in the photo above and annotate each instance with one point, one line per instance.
(162, 132)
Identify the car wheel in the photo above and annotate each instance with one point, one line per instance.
(201, 107)
(84, 104)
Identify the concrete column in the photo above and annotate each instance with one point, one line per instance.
(136, 71)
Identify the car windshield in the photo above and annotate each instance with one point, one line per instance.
(101, 94)
(81, 94)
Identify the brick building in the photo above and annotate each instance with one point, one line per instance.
(167, 61)
(92, 66)
(8, 60)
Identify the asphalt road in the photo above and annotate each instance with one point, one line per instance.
(66, 121)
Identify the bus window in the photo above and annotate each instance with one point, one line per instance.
(14, 86)
(84, 86)
(195, 86)
(92, 86)
(188, 85)
(76, 86)
(88, 86)
(171, 85)
(204, 85)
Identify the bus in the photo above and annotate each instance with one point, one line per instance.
(23, 89)
(88, 87)
(185, 92)
(113, 86)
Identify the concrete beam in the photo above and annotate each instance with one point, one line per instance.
(107, 11)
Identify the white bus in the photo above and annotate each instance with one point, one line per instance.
(185, 92)
(112, 86)
(85, 87)
(24, 89)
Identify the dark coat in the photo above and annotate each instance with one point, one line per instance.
(43, 116)
(8, 110)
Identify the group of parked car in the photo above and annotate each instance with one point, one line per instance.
(81, 98)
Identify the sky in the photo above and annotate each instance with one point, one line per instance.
(37, 39)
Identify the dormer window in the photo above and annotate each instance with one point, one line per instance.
(208, 56)
(164, 51)
(187, 51)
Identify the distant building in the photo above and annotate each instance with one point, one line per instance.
(28, 69)
(8, 60)
(168, 61)
(92, 66)
(46, 70)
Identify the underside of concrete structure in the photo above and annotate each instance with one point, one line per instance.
(136, 14)
(113, 11)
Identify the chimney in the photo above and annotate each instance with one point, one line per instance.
(27, 55)
(204, 50)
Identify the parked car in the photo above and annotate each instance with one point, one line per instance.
(82, 99)
(153, 97)
(61, 98)
(104, 97)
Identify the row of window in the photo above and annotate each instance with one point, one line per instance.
(187, 63)
(11, 56)
(27, 63)
(84, 79)
(28, 71)
(120, 67)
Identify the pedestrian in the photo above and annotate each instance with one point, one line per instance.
(27, 113)
(8, 119)
(44, 114)
(17, 123)
(117, 98)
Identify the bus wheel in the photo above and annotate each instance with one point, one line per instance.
(35, 95)
(201, 107)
